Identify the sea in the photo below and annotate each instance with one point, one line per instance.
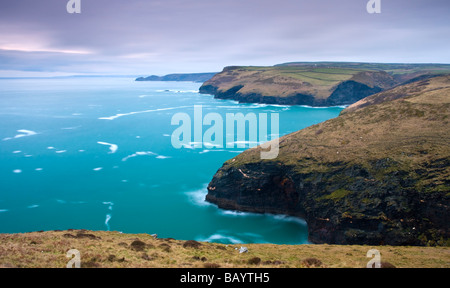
(96, 154)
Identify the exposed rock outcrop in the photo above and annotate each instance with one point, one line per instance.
(379, 174)
(314, 84)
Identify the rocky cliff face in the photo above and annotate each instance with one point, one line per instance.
(314, 85)
(379, 174)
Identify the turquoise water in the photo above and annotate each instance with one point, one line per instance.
(54, 173)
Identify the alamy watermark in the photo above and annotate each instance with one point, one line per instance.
(75, 258)
(73, 6)
(190, 133)
(375, 262)
(374, 7)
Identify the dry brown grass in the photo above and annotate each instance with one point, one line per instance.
(107, 250)
(410, 130)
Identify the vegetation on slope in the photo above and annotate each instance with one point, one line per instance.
(116, 250)
(317, 84)
(377, 174)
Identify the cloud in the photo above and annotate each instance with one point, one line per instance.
(159, 37)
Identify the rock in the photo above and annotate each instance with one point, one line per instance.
(390, 188)
(313, 84)
(192, 244)
(138, 245)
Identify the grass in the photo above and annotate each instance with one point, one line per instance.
(115, 250)
(392, 129)
(317, 79)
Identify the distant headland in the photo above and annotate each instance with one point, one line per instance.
(191, 77)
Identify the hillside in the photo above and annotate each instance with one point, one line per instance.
(116, 250)
(193, 77)
(314, 84)
(378, 174)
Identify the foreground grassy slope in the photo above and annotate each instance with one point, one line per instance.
(377, 174)
(116, 250)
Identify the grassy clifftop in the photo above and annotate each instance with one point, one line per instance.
(377, 174)
(117, 250)
(317, 84)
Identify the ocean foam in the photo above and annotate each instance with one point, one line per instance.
(33, 206)
(98, 169)
(112, 147)
(17, 152)
(324, 107)
(110, 205)
(178, 91)
(197, 197)
(17, 171)
(24, 133)
(71, 128)
(147, 153)
(235, 213)
(285, 218)
(220, 238)
(38, 169)
(140, 112)
(61, 151)
(162, 157)
(108, 217)
(3, 210)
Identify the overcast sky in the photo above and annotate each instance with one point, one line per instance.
(143, 37)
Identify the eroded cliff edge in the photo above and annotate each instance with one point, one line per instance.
(379, 174)
(313, 84)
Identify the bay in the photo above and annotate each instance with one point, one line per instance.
(96, 154)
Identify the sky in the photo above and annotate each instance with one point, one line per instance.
(158, 37)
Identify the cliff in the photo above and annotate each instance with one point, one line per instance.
(378, 174)
(314, 84)
(195, 77)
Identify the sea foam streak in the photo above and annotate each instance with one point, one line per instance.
(138, 154)
(197, 197)
(140, 112)
(178, 91)
(112, 147)
(24, 133)
(71, 128)
(221, 239)
(108, 217)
